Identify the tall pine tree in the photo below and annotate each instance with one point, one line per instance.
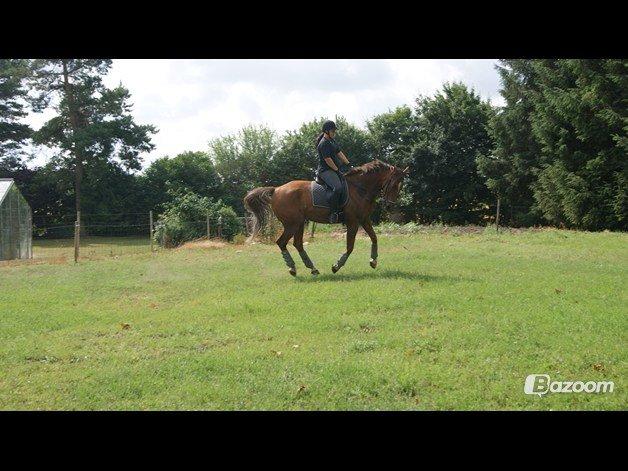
(13, 101)
(93, 128)
(580, 122)
(561, 143)
(511, 169)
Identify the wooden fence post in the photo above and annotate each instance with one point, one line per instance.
(220, 227)
(77, 236)
(207, 219)
(150, 219)
(497, 215)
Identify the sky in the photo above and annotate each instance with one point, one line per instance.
(193, 101)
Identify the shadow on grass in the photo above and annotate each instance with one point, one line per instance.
(305, 277)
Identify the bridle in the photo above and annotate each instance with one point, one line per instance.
(384, 191)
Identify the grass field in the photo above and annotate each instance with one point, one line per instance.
(93, 247)
(450, 319)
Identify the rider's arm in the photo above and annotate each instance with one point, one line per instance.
(331, 163)
(343, 158)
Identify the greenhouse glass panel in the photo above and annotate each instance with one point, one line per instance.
(16, 235)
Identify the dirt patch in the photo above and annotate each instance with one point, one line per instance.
(203, 244)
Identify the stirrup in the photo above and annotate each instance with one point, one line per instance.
(336, 217)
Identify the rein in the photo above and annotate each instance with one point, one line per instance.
(384, 189)
(382, 193)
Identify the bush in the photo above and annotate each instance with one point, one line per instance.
(239, 239)
(185, 219)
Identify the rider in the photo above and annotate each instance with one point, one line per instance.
(330, 161)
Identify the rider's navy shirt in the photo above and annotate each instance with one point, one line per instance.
(327, 148)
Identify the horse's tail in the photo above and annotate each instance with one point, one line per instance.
(257, 202)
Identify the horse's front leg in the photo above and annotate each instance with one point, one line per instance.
(352, 230)
(368, 227)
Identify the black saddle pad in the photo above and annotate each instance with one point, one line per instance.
(322, 193)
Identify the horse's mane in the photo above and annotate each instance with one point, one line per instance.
(374, 166)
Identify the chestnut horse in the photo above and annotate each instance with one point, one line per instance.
(292, 204)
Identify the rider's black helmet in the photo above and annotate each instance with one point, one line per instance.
(329, 126)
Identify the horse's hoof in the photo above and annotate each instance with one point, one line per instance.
(334, 268)
(293, 272)
(373, 263)
(315, 272)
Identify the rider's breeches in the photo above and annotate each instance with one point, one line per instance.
(333, 180)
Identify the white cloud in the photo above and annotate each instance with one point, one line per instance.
(192, 101)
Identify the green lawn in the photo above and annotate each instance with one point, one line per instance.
(449, 320)
(92, 247)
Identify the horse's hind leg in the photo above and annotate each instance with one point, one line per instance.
(298, 243)
(282, 242)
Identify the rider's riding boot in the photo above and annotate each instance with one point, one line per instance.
(336, 216)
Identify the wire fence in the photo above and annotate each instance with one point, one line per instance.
(72, 237)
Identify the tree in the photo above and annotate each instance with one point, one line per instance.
(452, 131)
(93, 124)
(49, 192)
(561, 142)
(188, 171)
(391, 135)
(580, 121)
(13, 101)
(353, 141)
(297, 157)
(243, 161)
(511, 168)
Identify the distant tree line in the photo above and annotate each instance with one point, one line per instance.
(555, 153)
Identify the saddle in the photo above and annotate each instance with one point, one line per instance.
(321, 193)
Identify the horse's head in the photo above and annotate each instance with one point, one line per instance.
(392, 186)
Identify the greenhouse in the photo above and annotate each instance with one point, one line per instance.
(16, 239)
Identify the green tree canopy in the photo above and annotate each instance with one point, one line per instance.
(243, 161)
(189, 171)
(561, 142)
(452, 132)
(510, 169)
(297, 157)
(391, 135)
(93, 124)
(13, 101)
(580, 122)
